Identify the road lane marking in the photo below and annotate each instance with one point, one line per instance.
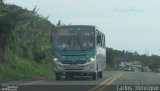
(102, 84)
(32, 83)
(99, 85)
(109, 79)
(109, 83)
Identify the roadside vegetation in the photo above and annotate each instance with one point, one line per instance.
(25, 43)
(114, 57)
(21, 68)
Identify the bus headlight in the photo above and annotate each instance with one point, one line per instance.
(55, 60)
(93, 59)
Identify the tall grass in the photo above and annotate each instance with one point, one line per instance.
(113, 68)
(20, 68)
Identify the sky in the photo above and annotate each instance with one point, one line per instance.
(131, 25)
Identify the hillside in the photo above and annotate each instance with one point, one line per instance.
(25, 43)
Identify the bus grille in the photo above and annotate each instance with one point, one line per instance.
(73, 62)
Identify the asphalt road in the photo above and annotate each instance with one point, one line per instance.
(111, 81)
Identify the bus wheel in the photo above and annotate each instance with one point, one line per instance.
(94, 76)
(58, 76)
(100, 75)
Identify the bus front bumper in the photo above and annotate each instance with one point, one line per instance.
(85, 68)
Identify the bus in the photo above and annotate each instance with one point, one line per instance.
(78, 50)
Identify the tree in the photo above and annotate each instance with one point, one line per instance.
(154, 67)
(110, 57)
(1, 1)
(5, 33)
(59, 23)
(8, 20)
(24, 33)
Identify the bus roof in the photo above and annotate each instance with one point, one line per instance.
(66, 26)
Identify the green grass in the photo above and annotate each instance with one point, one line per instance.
(20, 68)
(109, 68)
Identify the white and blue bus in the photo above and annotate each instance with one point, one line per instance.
(79, 50)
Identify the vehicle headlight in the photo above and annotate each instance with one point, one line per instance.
(55, 59)
(93, 59)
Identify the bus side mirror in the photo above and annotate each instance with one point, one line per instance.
(98, 39)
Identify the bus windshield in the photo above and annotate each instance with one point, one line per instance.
(74, 39)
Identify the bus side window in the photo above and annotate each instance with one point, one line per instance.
(103, 41)
(104, 44)
(99, 39)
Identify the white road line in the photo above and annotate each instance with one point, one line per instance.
(32, 83)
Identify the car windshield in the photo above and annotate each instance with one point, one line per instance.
(74, 39)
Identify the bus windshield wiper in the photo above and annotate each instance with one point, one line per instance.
(67, 43)
(80, 44)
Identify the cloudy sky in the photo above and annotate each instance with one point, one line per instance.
(132, 25)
